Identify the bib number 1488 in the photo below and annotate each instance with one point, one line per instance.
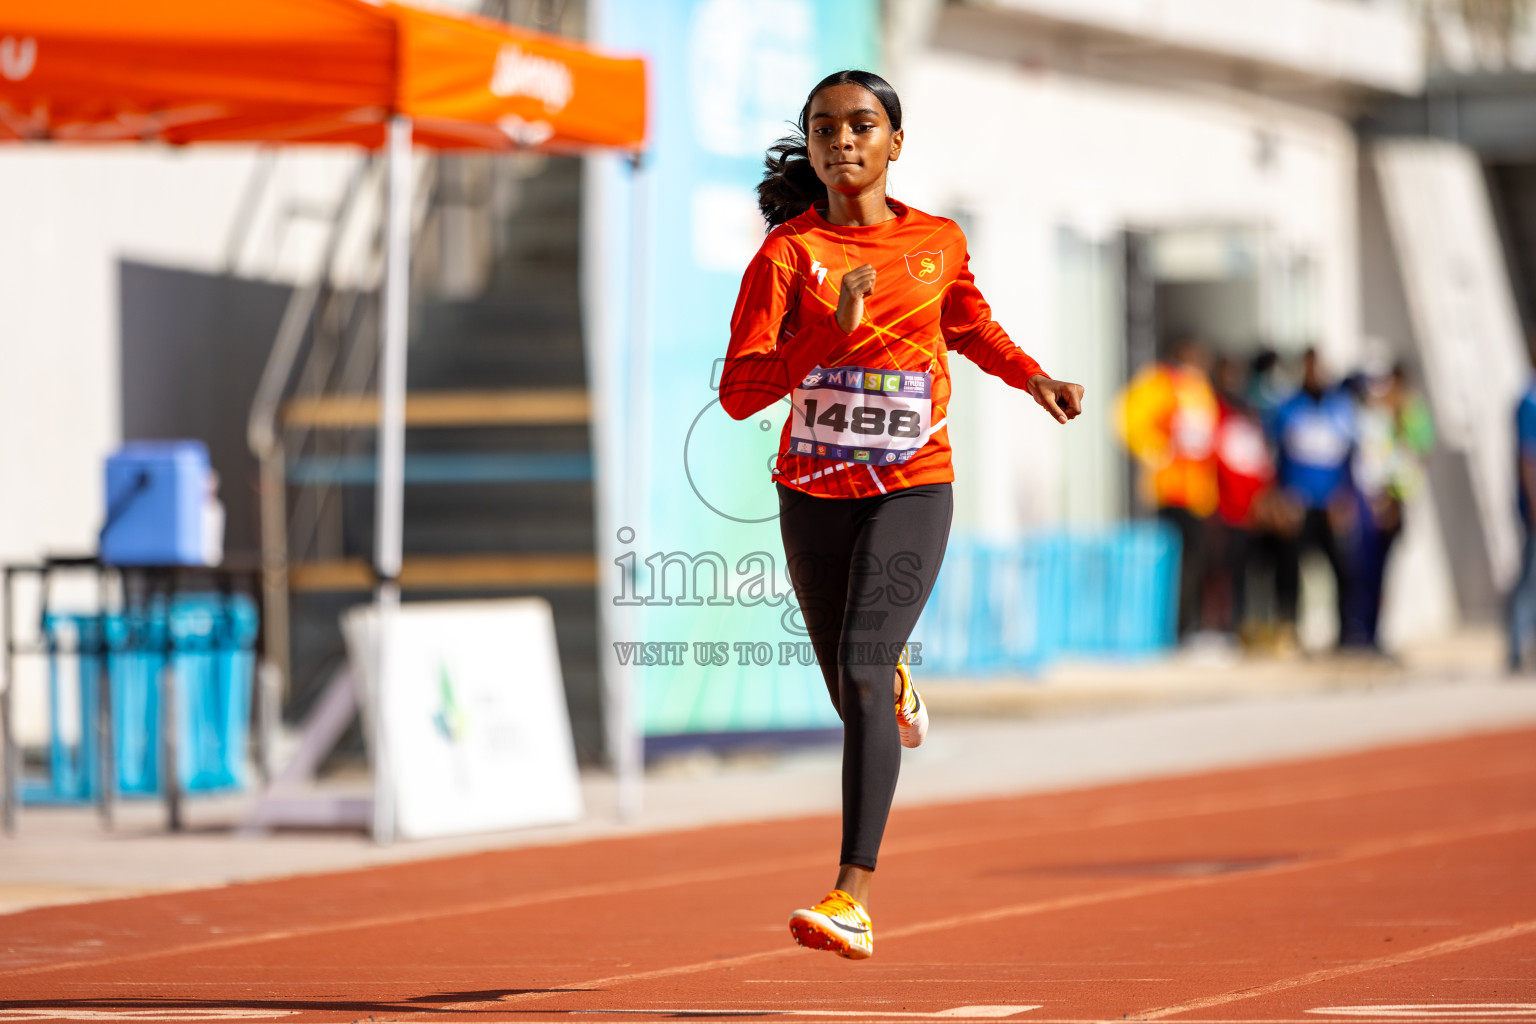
(864, 419)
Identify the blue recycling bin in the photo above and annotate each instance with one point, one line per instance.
(210, 640)
(156, 497)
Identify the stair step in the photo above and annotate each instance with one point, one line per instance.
(459, 468)
(444, 409)
(458, 572)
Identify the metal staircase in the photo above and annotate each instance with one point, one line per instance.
(498, 468)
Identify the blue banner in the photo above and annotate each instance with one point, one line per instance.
(693, 590)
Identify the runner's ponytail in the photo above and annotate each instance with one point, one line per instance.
(791, 186)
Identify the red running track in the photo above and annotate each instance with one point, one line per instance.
(1391, 886)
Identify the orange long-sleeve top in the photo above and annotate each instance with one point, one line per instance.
(925, 303)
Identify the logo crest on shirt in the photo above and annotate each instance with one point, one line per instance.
(926, 267)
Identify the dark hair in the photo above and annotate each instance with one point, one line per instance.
(1177, 343)
(790, 186)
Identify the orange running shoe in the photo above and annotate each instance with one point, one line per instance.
(838, 923)
(911, 712)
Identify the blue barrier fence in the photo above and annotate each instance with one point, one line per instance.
(209, 640)
(1016, 607)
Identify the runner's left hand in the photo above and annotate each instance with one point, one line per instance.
(1062, 400)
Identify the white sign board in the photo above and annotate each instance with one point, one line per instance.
(475, 732)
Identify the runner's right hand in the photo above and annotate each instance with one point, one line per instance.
(857, 283)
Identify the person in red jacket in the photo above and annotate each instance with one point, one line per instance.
(1245, 471)
(849, 310)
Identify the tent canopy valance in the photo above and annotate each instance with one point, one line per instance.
(296, 71)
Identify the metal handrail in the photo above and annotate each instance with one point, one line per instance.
(265, 441)
(341, 366)
(261, 426)
(250, 201)
(265, 433)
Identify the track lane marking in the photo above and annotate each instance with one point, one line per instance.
(958, 1013)
(1461, 942)
(1433, 1010)
(214, 1013)
(1359, 851)
(168, 1013)
(1168, 810)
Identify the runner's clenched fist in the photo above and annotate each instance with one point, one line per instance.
(857, 283)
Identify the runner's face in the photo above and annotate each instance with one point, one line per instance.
(850, 139)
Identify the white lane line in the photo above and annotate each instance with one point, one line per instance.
(166, 1013)
(1460, 1011)
(958, 1013)
(1455, 945)
(563, 1017)
(950, 981)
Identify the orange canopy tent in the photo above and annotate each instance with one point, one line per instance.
(318, 71)
(303, 71)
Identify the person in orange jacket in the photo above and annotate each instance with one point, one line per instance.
(1168, 420)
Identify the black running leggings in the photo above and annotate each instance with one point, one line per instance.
(862, 570)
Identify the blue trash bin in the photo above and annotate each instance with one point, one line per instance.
(214, 667)
(210, 641)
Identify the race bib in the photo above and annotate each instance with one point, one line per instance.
(861, 414)
(1314, 438)
(1193, 432)
(1242, 447)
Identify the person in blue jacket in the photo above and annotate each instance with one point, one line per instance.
(1522, 600)
(1315, 433)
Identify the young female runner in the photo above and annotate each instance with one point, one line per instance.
(848, 309)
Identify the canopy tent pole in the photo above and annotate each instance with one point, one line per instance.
(389, 498)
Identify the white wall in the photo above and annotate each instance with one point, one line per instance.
(70, 213)
(1027, 152)
(1372, 43)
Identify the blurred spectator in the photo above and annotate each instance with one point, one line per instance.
(1395, 432)
(1168, 418)
(1315, 433)
(1244, 471)
(1268, 387)
(1522, 600)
